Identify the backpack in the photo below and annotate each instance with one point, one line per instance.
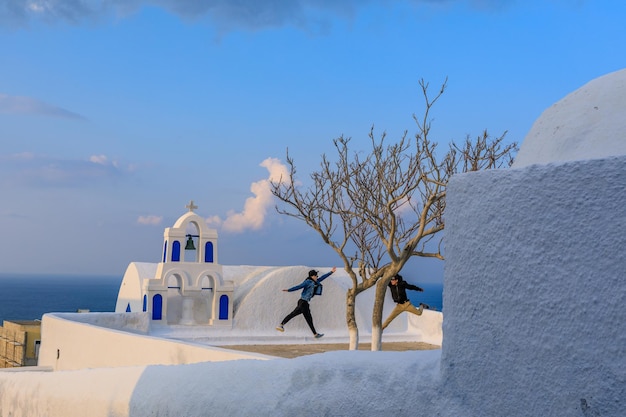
(317, 290)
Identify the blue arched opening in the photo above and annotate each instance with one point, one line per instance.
(208, 252)
(128, 308)
(176, 251)
(157, 307)
(145, 302)
(164, 252)
(224, 307)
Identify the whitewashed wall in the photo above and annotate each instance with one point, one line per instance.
(69, 344)
(535, 289)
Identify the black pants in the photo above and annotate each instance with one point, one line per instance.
(301, 308)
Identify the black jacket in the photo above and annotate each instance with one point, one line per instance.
(398, 291)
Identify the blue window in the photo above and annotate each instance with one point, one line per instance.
(176, 251)
(145, 302)
(224, 307)
(128, 308)
(208, 252)
(164, 252)
(157, 307)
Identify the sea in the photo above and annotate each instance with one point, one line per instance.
(432, 295)
(30, 296)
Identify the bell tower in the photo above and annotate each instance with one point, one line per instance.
(188, 287)
(191, 231)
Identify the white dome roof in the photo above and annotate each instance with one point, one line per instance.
(589, 123)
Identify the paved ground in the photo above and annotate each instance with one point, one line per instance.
(293, 351)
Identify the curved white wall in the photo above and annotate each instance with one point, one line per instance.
(260, 303)
(588, 123)
(131, 287)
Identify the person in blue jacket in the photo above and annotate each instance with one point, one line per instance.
(311, 287)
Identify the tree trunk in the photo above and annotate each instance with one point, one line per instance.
(353, 330)
(377, 338)
(377, 315)
(354, 338)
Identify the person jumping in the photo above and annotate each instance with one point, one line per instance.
(311, 287)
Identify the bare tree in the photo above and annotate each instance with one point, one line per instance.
(378, 210)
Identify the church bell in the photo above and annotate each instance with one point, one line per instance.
(190, 245)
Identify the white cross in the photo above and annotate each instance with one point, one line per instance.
(191, 206)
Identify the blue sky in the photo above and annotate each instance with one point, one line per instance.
(114, 114)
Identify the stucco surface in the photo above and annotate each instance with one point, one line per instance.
(534, 290)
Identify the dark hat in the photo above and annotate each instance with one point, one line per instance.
(312, 272)
(397, 276)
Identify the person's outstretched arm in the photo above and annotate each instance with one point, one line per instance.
(295, 288)
(323, 277)
(412, 287)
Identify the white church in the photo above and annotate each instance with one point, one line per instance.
(187, 287)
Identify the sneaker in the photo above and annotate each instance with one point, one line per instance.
(420, 309)
(318, 335)
(280, 328)
(423, 307)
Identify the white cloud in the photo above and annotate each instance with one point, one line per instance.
(150, 220)
(277, 169)
(22, 156)
(99, 159)
(255, 208)
(28, 105)
(48, 171)
(214, 221)
(36, 6)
